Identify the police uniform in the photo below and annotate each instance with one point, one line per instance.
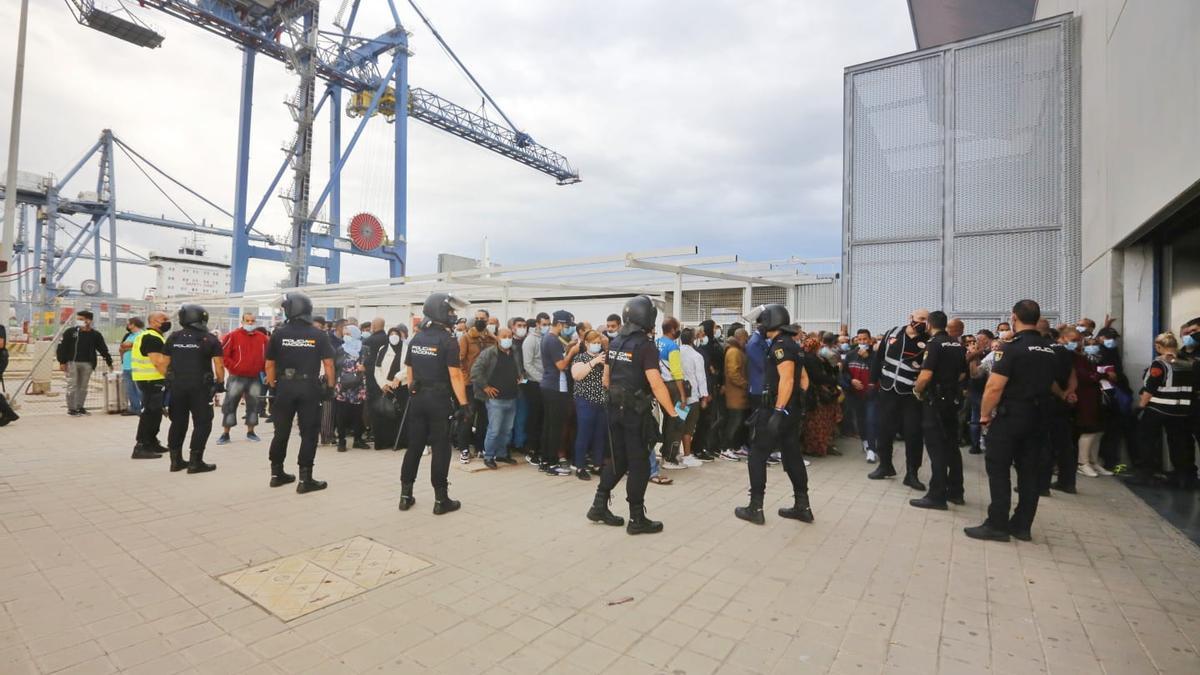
(784, 435)
(631, 421)
(1061, 449)
(895, 369)
(1171, 385)
(297, 349)
(192, 384)
(152, 385)
(1017, 434)
(946, 359)
(431, 354)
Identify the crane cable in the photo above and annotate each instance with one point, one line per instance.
(156, 185)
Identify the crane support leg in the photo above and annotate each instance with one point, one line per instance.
(400, 202)
(241, 234)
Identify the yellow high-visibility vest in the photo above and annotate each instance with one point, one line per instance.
(143, 368)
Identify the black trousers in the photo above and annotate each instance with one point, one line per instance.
(939, 424)
(555, 405)
(630, 455)
(349, 420)
(152, 411)
(1151, 426)
(788, 445)
(297, 399)
(1016, 438)
(474, 431)
(190, 403)
(428, 424)
(898, 412)
(1062, 449)
(734, 435)
(533, 422)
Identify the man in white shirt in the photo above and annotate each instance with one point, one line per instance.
(697, 400)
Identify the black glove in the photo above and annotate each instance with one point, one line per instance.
(775, 424)
(462, 415)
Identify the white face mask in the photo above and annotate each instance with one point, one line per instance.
(248, 327)
(491, 328)
(506, 343)
(81, 323)
(703, 341)
(458, 333)
(613, 333)
(521, 332)
(594, 348)
(393, 339)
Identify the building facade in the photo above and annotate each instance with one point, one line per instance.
(189, 271)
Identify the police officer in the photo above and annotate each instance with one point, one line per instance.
(634, 383)
(1018, 393)
(777, 420)
(149, 366)
(895, 368)
(938, 385)
(1061, 449)
(296, 356)
(437, 393)
(195, 374)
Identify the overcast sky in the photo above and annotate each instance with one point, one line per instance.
(707, 122)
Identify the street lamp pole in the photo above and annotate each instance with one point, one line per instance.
(10, 198)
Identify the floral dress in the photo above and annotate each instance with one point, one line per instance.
(347, 370)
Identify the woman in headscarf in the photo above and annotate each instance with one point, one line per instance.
(822, 406)
(392, 378)
(350, 390)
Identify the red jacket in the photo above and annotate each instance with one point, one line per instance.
(245, 353)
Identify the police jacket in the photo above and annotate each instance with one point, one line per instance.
(191, 352)
(1029, 364)
(1171, 385)
(897, 360)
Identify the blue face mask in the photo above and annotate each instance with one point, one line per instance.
(1072, 345)
(825, 352)
(506, 343)
(845, 346)
(1189, 342)
(1092, 350)
(1110, 343)
(568, 331)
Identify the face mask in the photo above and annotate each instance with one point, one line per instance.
(481, 325)
(506, 343)
(825, 352)
(703, 341)
(491, 328)
(1189, 342)
(1110, 343)
(1072, 345)
(918, 326)
(521, 332)
(393, 339)
(249, 328)
(845, 346)
(1081, 329)
(594, 348)
(458, 333)
(1092, 350)
(863, 349)
(81, 323)
(165, 327)
(612, 334)
(568, 331)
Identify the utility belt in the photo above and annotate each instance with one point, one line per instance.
(180, 381)
(1037, 407)
(638, 401)
(442, 388)
(943, 395)
(293, 375)
(766, 401)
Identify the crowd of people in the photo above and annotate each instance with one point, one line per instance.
(540, 387)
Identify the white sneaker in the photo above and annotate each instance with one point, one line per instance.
(872, 457)
(867, 446)
(673, 466)
(426, 452)
(1099, 469)
(1087, 470)
(731, 455)
(807, 463)
(691, 461)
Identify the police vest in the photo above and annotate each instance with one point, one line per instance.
(1174, 397)
(624, 374)
(142, 368)
(190, 363)
(896, 374)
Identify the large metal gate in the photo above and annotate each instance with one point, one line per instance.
(961, 185)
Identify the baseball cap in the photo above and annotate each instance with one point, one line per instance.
(563, 316)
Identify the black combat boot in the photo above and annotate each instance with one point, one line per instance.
(196, 463)
(177, 463)
(752, 512)
(442, 502)
(406, 498)
(278, 477)
(884, 470)
(640, 524)
(600, 513)
(307, 484)
(140, 451)
(800, 509)
(911, 480)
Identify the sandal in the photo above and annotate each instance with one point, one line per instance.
(661, 480)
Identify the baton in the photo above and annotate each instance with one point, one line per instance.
(400, 429)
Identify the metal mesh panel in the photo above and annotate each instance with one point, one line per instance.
(1008, 135)
(765, 295)
(1070, 197)
(698, 305)
(897, 155)
(993, 271)
(890, 280)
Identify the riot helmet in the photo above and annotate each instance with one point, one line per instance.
(639, 313)
(443, 308)
(193, 316)
(297, 307)
(771, 317)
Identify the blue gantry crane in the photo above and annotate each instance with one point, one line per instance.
(348, 65)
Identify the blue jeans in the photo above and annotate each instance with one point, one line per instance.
(520, 434)
(976, 430)
(131, 391)
(591, 432)
(235, 389)
(501, 412)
